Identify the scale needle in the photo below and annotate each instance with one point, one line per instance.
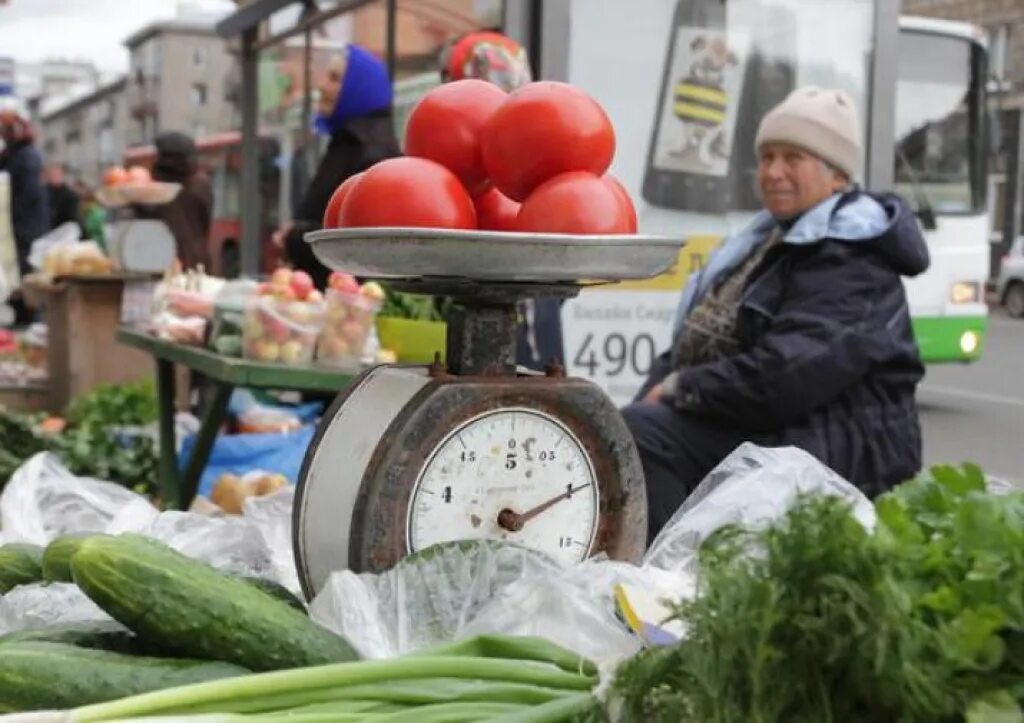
(514, 521)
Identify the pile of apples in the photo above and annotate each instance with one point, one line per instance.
(284, 319)
(534, 160)
(118, 176)
(351, 310)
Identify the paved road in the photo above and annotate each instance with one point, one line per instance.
(976, 412)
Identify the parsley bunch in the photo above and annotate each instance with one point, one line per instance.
(817, 619)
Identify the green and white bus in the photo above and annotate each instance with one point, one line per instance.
(663, 68)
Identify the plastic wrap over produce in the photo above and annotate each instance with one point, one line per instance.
(753, 486)
(462, 589)
(34, 606)
(44, 500)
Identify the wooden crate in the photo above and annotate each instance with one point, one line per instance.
(82, 315)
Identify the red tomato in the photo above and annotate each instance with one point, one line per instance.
(445, 127)
(408, 192)
(577, 202)
(495, 211)
(334, 204)
(627, 203)
(544, 129)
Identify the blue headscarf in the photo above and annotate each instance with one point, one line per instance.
(365, 88)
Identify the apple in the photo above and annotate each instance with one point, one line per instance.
(315, 297)
(372, 290)
(340, 281)
(336, 312)
(302, 284)
(252, 348)
(285, 293)
(353, 332)
(268, 351)
(281, 277)
(253, 329)
(264, 289)
(139, 174)
(292, 351)
(300, 312)
(277, 330)
(335, 347)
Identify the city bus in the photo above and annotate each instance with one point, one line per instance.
(920, 87)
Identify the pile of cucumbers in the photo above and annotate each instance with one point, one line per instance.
(175, 621)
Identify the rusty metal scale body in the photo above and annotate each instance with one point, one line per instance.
(409, 456)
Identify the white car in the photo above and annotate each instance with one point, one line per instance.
(1009, 286)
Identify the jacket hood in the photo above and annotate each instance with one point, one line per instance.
(884, 220)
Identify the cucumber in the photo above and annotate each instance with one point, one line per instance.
(47, 676)
(101, 635)
(57, 556)
(20, 564)
(186, 606)
(276, 591)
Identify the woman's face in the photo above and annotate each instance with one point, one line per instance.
(330, 85)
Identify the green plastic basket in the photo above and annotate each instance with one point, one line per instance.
(413, 341)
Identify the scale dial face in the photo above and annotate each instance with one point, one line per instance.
(515, 474)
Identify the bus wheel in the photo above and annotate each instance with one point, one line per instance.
(1014, 300)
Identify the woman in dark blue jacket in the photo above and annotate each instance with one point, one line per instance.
(797, 332)
(30, 210)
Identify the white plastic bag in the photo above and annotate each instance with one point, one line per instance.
(67, 234)
(425, 599)
(35, 606)
(753, 486)
(43, 500)
(272, 517)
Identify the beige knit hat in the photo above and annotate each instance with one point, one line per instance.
(821, 120)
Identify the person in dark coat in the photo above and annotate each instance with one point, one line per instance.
(63, 200)
(797, 332)
(30, 209)
(190, 214)
(354, 108)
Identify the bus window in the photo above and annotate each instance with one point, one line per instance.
(725, 65)
(940, 138)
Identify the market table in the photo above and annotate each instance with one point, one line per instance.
(225, 374)
(82, 314)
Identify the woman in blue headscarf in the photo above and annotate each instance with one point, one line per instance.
(354, 109)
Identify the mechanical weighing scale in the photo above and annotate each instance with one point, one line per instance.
(410, 456)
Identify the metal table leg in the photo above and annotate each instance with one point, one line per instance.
(212, 420)
(169, 483)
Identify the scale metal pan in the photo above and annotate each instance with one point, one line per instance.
(406, 253)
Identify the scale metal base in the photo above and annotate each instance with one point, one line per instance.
(410, 456)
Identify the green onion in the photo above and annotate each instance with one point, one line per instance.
(517, 648)
(555, 711)
(231, 691)
(418, 691)
(452, 713)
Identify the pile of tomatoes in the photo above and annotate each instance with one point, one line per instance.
(534, 160)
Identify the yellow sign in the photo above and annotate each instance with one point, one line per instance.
(692, 257)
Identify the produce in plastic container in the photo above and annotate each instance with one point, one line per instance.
(350, 315)
(284, 319)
